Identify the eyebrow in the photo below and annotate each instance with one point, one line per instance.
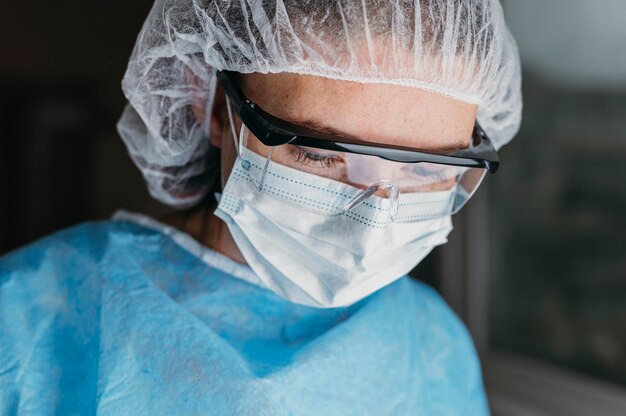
(315, 125)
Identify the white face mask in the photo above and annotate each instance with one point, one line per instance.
(326, 260)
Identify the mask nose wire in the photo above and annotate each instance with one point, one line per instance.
(389, 187)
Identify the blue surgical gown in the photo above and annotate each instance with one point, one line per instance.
(133, 318)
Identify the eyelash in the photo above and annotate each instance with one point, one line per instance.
(314, 159)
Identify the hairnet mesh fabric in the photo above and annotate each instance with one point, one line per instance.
(460, 48)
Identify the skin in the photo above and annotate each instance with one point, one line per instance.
(377, 113)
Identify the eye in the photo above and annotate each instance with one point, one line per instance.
(313, 158)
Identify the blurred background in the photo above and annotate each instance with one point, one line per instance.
(61, 160)
(558, 237)
(537, 264)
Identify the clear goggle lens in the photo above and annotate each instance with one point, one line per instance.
(362, 177)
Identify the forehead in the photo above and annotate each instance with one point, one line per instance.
(379, 113)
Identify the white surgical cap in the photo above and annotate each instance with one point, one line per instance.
(460, 48)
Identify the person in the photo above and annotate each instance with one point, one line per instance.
(316, 151)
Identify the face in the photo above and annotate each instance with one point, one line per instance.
(377, 113)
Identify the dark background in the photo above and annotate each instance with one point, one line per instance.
(61, 160)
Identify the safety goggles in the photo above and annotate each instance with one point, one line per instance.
(370, 168)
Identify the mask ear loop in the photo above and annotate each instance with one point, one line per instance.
(233, 130)
(239, 146)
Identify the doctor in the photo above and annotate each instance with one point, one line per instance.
(316, 151)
